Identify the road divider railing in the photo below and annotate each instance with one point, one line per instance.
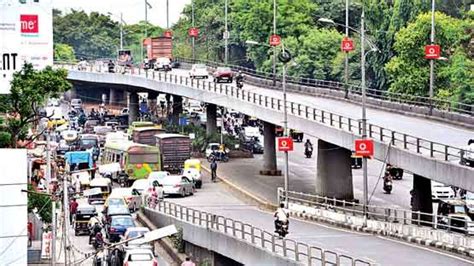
(456, 231)
(399, 140)
(352, 89)
(260, 238)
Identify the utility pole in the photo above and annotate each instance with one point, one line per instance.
(274, 48)
(285, 127)
(192, 22)
(226, 37)
(167, 14)
(346, 55)
(66, 219)
(432, 61)
(364, 118)
(121, 31)
(53, 234)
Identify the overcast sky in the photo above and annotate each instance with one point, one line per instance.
(133, 10)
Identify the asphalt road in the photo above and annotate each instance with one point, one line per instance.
(215, 198)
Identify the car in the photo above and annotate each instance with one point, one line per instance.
(133, 232)
(453, 215)
(194, 175)
(139, 257)
(113, 210)
(131, 196)
(211, 147)
(469, 200)
(223, 74)
(441, 191)
(178, 185)
(162, 63)
(115, 200)
(467, 155)
(76, 103)
(117, 226)
(199, 71)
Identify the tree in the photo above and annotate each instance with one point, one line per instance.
(64, 53)
(30, 89)
(40, 203)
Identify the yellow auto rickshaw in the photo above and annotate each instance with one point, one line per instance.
(192, 170)
(105, 186)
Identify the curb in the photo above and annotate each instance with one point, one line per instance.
(261, 202)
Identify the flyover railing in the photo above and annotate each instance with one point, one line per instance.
(260, 238)
(400, 140)
(377, 213)
(440, 104)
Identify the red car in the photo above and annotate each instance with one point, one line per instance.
(223, 74)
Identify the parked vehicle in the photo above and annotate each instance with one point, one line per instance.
(177, 185)
(139, 257)
(131, 196)
(198, 71)
(174, 149)
(223, 74)
(440, 191)
(81, 221)
(118, 225)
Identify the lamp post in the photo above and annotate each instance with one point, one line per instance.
(346, 56)
(122, 22)
(226, 35)
(274, 48)
(192, 22)
(432, 39)
(147, 5)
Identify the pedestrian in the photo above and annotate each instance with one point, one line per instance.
(72, 209)
(213, 170)
(188, 262)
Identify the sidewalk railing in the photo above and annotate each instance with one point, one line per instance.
(288, 248)
(440, 104)
(377, 213)
(403, 141)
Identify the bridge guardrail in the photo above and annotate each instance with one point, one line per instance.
(400, 140)
(378, 213)
(294, 250)
(440, 104)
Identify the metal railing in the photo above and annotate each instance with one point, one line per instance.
(400, 140)
(440, 104)
(377, 213)
(285, 247)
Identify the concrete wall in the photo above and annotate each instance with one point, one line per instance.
(231, 247)
(432, 168)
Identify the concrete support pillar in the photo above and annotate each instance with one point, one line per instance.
(269, 154)
(421, 198)
(211, 124)
(113, 97)
(152, 102)
(168, 103)
(177, 109)
(133, 107)
(334, 173)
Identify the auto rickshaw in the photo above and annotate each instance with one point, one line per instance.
(105, 186)
(83, 215)
(192, 169)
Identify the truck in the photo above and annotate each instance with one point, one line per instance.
(146, 135)
(175, 149)
(159, 52)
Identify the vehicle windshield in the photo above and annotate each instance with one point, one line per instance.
(116, 201)
(144, 158)
(469, 196)
(134, 234)
(88, 143)
(140, 257)
(459, 209)
(224, 69)
(201, 66)
(122, 221)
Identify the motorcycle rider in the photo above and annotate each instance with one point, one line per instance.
(239, 79)
(308, 147)
(387, 177)
(111, 66)
(96, 228)
(281, 217)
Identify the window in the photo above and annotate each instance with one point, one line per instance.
(144, 158)
(122, 221)
(140, 257)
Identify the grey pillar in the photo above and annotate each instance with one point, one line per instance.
(168, 104)
(269, 154)
(112, 97)
(133, 107)
(334, 173)
(177, 109)
(211, 124)
(152, 102)
(421, 198)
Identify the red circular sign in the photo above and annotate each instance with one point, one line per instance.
(347, 44)
(275, 40)
(193, 32)
(168, 34)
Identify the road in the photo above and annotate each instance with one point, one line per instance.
(215, 198)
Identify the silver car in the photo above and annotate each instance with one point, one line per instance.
(177, 185)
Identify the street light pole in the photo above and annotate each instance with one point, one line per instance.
(167, 15)
(274, 48)
(364, 118)
(192, 19)
(346, 56)
(285, 128)
(226, 37)
(121, 31)
(432, 61)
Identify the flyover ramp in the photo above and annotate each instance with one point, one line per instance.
(432, 158)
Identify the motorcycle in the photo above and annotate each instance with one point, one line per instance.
(122, 179)
(219, 156)
(308, 152)
(111, 68)
(98, 242)
(239, 83)
(387, 186)
(281, 228)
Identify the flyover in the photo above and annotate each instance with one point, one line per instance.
(397, 137)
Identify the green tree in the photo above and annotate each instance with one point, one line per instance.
(40, 203)
(30, 89)
(64, 52)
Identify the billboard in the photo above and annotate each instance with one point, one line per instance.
(9, 44)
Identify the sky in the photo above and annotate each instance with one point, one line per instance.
(133, 10)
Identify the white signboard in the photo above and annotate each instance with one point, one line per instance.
(46, 241)
(9, 44)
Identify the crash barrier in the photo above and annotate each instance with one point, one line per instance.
(387, 221)
(251, 235)
(354, 90)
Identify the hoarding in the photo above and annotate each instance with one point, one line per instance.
(9, 44)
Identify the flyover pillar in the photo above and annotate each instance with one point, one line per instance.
(152, 102)
(132, 107)
(211, 124)
(112, 97)
(421, 200)
(334, 173)
(177, 109)
(269, 154)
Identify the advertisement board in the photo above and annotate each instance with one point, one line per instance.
(9, 44)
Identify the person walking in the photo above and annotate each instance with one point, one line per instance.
(188, 262)
(213, 170)
(72, 209)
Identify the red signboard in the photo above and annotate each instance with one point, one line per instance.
(285, 144)
(193, 32)
(364, 147)
(168, 34)
(347, 45)
(432, 51)
(275, 40)
(29, 24)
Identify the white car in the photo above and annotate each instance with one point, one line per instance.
(178, 185)
(163, 63)
(199, 71)
(133, 232)
(131, 196)
(441, 191)
(469, 199)
(139, 257)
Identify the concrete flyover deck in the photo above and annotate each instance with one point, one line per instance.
(423, 147)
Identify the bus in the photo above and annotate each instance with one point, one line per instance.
(136, 160)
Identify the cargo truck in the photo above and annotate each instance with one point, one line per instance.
(175, 149)
(159, 52)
